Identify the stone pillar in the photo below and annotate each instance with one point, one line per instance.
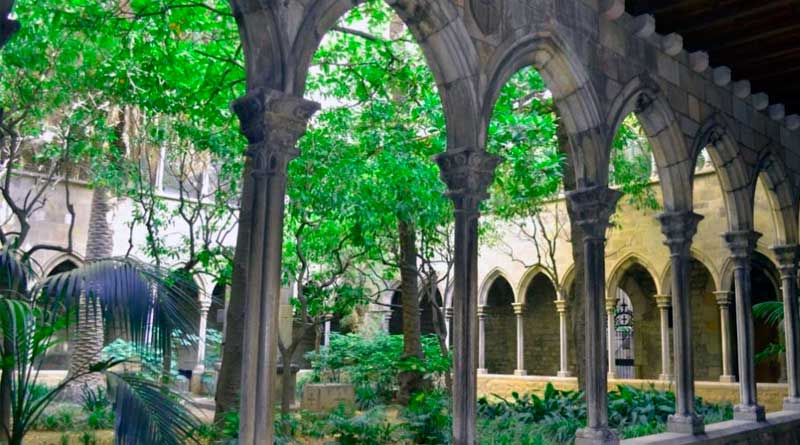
(592, 207)
(787, 260)
(519, 311)
(664, 302)
(679, 228)
(468, 172)
(482, 340)
(726, 335)
(200, 367)
(272, 122)
(563, 367)
(448, 317)
(611, 337)
(741, 245)
(386, 318)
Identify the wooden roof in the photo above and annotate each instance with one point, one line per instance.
(758, 39)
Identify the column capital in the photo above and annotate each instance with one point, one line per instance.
(468, 172)
(448, 312)
(741, 244)
(482, 311)
(723, 297)
(561, 306)
(679, 229)
(592, 208)
(272, 122)
(611, 304)
(787, 257)
(519, 308)
(664, 301)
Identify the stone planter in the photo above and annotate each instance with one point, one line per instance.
(327, 396)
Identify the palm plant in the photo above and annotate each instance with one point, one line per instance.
(771, 313)
(139, 301)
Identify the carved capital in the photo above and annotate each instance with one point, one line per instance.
(468, 174)
(592, 208)
(482, 312)
(272, 122)
(519, 308)
(787, 259)
(679, 229)
(723, 298)
(664, 301)
(448, 313)
(611, 305)
(561, 306)
(741, 244)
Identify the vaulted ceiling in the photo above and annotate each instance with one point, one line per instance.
(758, 39)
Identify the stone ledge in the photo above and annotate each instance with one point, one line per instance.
(782, 427)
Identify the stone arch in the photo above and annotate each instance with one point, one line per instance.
(573, 94)
(643, 97)
(59, 260)
(666, 275)
(529, 275)
(443, 38)
(780, 195)
(619, 269)
(500, 333)
(541, 324)
(636, 286)
(265, 43)
(567, 280)
(734, 175)
(488, 281)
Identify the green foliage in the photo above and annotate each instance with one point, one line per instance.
(428, 419)
(97, 407)
(771, 313)
(372, 365)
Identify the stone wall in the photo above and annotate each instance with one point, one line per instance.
(541, 328)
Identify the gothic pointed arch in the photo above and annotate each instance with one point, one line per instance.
(619, 269)
(488, 281)
(780, 194)
(528, 277)
(665, 277)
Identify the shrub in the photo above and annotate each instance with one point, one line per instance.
(428, 418)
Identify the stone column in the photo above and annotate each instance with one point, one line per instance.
(272, 122)
(664, 302)
(200, 367)
(467, 173)
(519, 311)
(787, 259)
(679, 228)
(591, 208)
(726, 335)
(611, 337)
(448, 317)
(563, 367)
(741, 245)
(386, 318)
(482, 340)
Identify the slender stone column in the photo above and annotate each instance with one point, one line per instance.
(611, 334)
(726, 335)
(467, 173)
(482, 340)
(448, 317)
(563, 367)
(741, 245)
(200, 367)
(592, 207)
(787, 259)
(679, 229)
(272, 122)
(519, 311)
(664, 302)
(386, 319)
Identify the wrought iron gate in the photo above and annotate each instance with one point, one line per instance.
(623, 341)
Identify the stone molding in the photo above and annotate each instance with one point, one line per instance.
(741, 244)
(723, 298)
(561, 306)
(482, 312)
(611, 304)
(468, 173)
(679, 229)
(593, 207)
(664, 301)
(519, 308)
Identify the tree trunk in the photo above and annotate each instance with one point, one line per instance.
(230, 373)
(89, 332)
(575, 293)
(410, 381)
(286, 375)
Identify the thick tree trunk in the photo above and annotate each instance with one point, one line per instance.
(575, 293)
(89, 333)
(230, 374)
(286, 376)
(410, 381)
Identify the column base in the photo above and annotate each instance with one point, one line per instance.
(750, 413)
(483, 371)
(611, 376)
(727, 378)
(791, 404)
(520, 372)
(564, 374)
(685, 424)
(596, 436)
(666, 377)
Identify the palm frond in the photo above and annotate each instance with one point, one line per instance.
(770, 312)
(143, 303)
(13, 273)
(146, 413)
